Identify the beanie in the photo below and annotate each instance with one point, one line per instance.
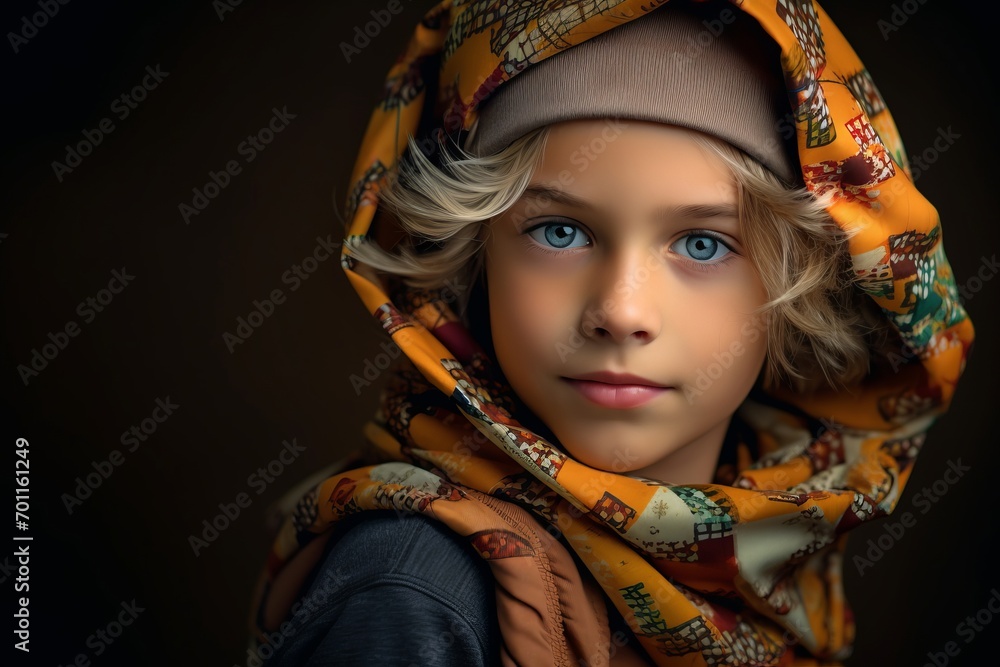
(696, 66)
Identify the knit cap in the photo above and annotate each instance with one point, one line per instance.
(696, 66)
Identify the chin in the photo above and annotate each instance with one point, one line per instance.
(624, 460)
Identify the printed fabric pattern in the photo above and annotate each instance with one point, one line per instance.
(745, 570)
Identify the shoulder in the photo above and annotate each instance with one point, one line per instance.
(394, 585)
(387, 548)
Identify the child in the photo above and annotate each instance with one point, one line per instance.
(674, 319)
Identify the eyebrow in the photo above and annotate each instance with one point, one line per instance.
(690, 211)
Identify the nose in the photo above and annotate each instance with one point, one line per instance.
(626, 298)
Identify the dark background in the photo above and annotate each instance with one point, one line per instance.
(162, 335)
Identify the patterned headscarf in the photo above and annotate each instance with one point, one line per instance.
(744, 570)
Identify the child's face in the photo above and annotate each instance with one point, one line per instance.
(618, 287)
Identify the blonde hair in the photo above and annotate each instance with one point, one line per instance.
(821, 330)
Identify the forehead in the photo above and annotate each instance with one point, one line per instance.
(623, 159)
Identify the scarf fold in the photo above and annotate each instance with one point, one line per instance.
(744, 570)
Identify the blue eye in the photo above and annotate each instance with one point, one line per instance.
(702, 247)
(559, 235)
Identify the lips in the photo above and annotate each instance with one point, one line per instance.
(609, 377)
(616, 390)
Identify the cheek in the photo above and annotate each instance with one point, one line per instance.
(527, 314)
(722, 306)
(747, 344)
(728, 334)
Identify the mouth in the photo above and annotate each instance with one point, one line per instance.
(616, 390)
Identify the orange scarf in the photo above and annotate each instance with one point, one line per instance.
(744, 570)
